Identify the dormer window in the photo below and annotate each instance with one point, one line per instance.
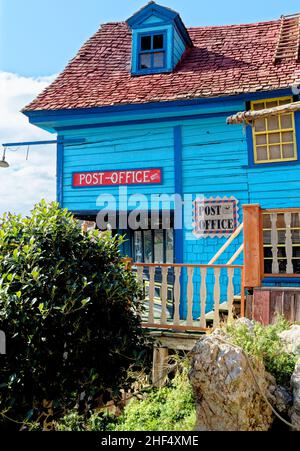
(159, 40)
(152, 51)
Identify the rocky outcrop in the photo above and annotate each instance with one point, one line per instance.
(280, 397)
(227, 397)
(291, 339)
(295, 410)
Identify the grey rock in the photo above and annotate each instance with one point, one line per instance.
(280, 398)
(291, 339)
(245, 322)
(227, 396)
(295, 410)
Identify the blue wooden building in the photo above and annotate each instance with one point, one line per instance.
(147, 103)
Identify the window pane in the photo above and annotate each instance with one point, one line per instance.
(159, 59)
(284, 101)
(146, 43)
(261, 139)
(145, 61)
(286, 121)
(296, 236)
(295, 220)
(158, 246)
(170, 246)
(273, 123)
(260, 125)
(259, 106)
(158, 41)
(148, 246)
(262, 153)
(274, 138)
(288, 150)
(138, 249)
(274, 152)
(271, 104)
(287, 137)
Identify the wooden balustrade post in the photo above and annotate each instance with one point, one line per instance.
(253, 246)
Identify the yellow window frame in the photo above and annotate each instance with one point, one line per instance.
(268, 132)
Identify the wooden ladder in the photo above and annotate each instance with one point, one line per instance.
(289, 38)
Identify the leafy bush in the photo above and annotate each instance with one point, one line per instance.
(69, 311)
(95, 422)
(263, 342)
(170, 408)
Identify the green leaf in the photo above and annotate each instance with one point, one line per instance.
(85, 301)
(35, 274)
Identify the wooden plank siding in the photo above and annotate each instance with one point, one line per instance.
(179, 47)
(269, 302)
(206, 145)
(214, 159)
(122, 148)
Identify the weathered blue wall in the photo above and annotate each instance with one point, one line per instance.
(117, 148)
(179, 47)
(214, 158)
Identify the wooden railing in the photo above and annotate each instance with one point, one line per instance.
(281, 242)
(271, 243)
(175, 300)
(225, 246)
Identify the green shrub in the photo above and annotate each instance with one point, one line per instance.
(95, 422)
(69, 311)
(170, 408)
(265, 344)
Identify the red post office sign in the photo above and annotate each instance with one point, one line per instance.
(119, 177)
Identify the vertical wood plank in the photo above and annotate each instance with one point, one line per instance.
(253, 245)
(216, 297)
(203, 295)
(159, 366)
(293, 307)
(288, 242)
(261, 306)
(164, 294)
(190, 296)
(151, 293)
(274, 242)
(177, 272)
(288, 304)
(230, 293)
(276, 305)
(297, 307)
(249, 306)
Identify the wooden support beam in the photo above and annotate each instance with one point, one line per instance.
(159, 366)
(253, 245)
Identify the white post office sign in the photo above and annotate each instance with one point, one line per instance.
(215, 217)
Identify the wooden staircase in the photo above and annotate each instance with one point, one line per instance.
(223, 311)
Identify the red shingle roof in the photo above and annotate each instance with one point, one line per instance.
(225, 60)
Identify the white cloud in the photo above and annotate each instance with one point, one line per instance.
(25, 182)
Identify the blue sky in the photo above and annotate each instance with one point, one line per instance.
(39, 36)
